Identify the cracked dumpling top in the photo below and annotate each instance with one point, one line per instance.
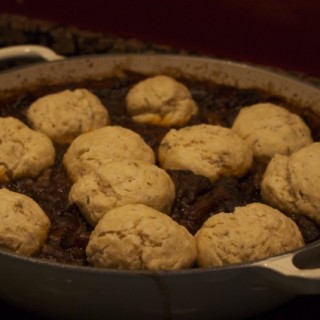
(93, 149)
(207, 150)
(64, 115)
(271, 129)
(161, 100)
(122, 182)
(24, 226)
(24, 153)
(292, 183)
(253, 232)
(137, 237)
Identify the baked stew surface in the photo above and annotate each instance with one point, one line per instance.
(196, 197)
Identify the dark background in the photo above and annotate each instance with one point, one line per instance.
(279, 33)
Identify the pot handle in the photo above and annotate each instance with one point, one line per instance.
(29, 51)
(297, 272)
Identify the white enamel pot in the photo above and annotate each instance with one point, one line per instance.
(61, 291)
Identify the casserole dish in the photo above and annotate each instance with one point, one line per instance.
(61, 291)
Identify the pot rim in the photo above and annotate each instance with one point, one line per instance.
(262, 263)
(224, 71)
